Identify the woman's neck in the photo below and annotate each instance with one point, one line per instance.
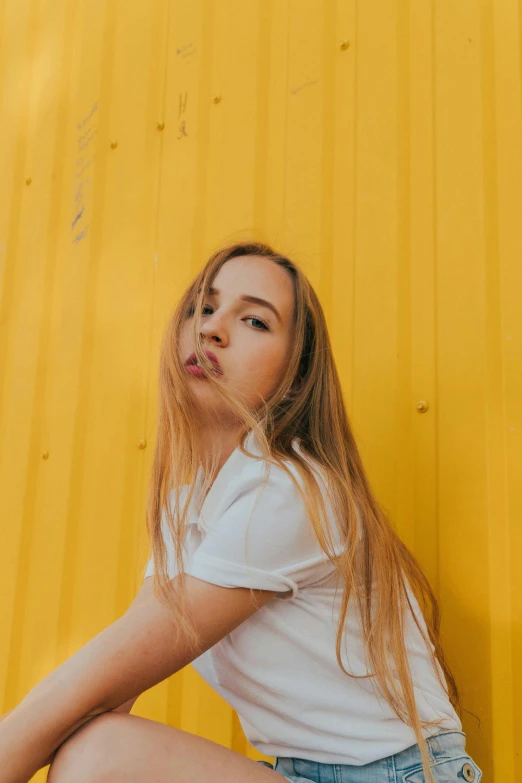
(224, 441)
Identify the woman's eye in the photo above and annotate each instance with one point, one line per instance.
(248, 318)
(253, 318)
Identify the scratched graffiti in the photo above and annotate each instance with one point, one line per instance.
(186, 52)
(303, 86)
(182, 108)
(87, 131)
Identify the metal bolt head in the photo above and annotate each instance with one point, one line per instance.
(114, 144)
(468, 772)
(344, 45)
(45, 455)
(28, 180)
(160, 125)
(422, 406)
(217, 98)
(142, 443)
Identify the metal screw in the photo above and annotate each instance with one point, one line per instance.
(28, 180)
(114, 144)
(344, 45)
(422, 406)
(160, 126)
(217, 98)
(142, 443)
(45, 455)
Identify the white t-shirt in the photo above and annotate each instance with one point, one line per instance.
(278, 669)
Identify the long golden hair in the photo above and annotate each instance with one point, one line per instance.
(377, 569)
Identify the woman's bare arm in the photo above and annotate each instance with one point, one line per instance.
(145, 591)
(137, 651)
(126, 707)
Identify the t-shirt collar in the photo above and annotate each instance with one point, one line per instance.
(228, 472)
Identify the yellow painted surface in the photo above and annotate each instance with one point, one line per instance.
(389, 167)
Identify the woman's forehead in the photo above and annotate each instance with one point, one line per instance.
(249, 279)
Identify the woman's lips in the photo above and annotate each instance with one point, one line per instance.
(210, 356)
(198, 372)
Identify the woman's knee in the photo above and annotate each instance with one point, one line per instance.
(85, 757)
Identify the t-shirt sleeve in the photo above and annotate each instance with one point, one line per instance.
(262, 538)
(149, 569)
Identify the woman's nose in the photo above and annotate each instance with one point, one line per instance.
(209, 332)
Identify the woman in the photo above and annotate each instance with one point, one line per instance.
(273, 570)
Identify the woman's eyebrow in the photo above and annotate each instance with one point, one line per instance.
(254, 299)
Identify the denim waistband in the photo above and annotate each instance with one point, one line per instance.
(444, 745)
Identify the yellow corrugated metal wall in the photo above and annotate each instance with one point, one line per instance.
(379, 144)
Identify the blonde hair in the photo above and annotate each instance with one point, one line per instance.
(376, 567)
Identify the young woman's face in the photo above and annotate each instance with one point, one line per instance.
(249, 340)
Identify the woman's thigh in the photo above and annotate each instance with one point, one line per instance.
(123, 748)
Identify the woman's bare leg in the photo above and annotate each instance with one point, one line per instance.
(121, 748)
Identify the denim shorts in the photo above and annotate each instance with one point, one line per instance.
(447, 751)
